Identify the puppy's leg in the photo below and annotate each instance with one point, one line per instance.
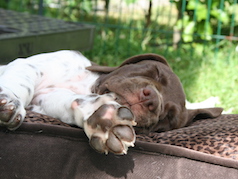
(17, 81)
(108, 125)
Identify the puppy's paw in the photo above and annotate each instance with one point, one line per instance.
(12, 113)
(110, 129)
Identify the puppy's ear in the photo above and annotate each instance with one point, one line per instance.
(131, 60)
(147, 56)
(101, 69)
(196, 114)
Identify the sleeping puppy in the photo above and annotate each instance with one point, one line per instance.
(106, 101)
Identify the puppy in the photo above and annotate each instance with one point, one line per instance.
(106, 101)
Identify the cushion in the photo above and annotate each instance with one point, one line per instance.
(44, 147)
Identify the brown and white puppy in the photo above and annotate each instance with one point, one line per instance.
(105, 101)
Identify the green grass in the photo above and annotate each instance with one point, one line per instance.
(217, 78)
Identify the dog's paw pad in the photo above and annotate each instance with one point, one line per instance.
(15, 123)
(124, 133)
(114, 144)
(125, 114)
(97, 143)
(110, 128)
(11, 113)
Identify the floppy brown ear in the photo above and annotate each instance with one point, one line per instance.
(195, 114)
(131, 60)
(101, 69)
(147, 56)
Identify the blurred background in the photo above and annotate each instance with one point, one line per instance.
(197, 37)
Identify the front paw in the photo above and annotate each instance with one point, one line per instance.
(110, 129)
(12, 113)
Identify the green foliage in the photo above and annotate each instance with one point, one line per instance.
(130, 1)
(70, 10)
(3, 4)
(201, 18)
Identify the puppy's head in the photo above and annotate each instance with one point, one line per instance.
(147, 85)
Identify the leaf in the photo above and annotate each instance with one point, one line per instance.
(188, 32)
(192, 4)
(224, 17)
(205, 29)
(87, 6)
(130, 1)
(182, 22)
(201, 12)
(215, 4)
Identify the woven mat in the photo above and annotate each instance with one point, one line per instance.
(217, 136)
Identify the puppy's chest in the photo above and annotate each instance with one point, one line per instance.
(79, 81)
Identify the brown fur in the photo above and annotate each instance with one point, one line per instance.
(136, 74)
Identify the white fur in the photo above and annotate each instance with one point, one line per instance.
(55, 80)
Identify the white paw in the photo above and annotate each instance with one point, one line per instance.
(110, 129)
(12, 112)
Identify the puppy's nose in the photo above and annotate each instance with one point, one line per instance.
(149, 98)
